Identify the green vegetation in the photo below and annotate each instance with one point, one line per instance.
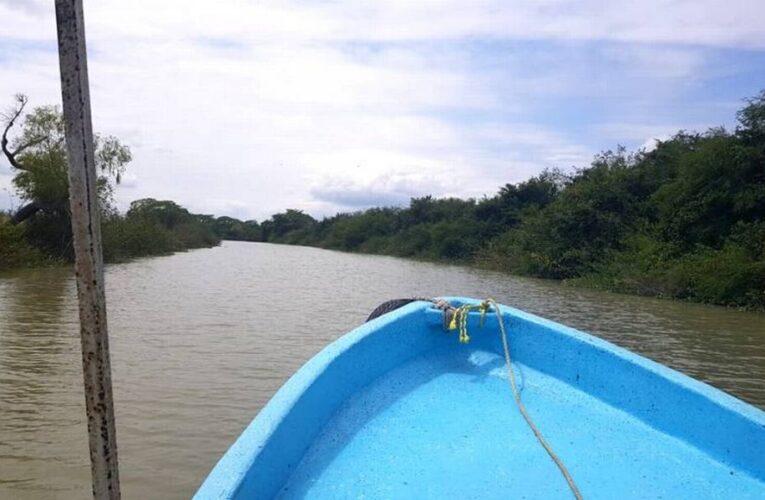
(39, 232)
(152, 227)
(15, 250)
(686, 220)
(228, 228)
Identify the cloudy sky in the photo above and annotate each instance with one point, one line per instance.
(245, 108)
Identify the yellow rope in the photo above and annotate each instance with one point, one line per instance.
(459, 320)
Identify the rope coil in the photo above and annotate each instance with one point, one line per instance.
(459, 322)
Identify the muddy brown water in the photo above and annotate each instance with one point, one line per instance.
(201, 340)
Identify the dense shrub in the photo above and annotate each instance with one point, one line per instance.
(686, 220)
(16, 251)
(150, 228)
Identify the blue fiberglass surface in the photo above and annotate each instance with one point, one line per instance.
(399, 409)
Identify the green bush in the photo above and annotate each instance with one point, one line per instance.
(728, 277)
(125, 238)
(686, 220)
(16, 251)
(45, 238)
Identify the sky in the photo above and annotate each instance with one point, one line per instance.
(247, 108)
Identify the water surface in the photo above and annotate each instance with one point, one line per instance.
(201, 340)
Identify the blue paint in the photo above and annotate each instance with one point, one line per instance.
(398, 408)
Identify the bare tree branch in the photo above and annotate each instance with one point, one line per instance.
(27, 211)
(30, 144)
(21, 101)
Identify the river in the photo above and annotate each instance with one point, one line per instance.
(201, 340)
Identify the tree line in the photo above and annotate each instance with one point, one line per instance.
(685, 220)
(39, 232)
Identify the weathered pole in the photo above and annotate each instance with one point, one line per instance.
(89, 266)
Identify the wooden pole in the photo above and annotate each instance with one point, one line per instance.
(89, 268)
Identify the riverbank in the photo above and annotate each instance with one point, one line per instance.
(650, 285)
(730, 273)
(16, 252)
(685, 220)
(728, 277)
(149, 228)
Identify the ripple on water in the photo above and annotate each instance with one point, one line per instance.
(201, 340)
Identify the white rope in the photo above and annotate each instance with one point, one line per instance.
(459, 321)
(522, 407)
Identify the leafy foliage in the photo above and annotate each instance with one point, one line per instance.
(686, 220)
(228, 228)
(15, 250)
(42, 174)
(153, 227)
(40, 232)
(37, 154)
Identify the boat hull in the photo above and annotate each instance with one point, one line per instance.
(399, 409)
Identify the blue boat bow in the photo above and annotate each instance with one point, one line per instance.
(398, 408)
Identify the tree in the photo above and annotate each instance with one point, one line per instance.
(513, 201)
(229, 228)
(166, 213)
(37, 154)
(720, 183)
(752, 120)
(282, 223)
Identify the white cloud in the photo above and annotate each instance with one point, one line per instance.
(247, 108)
(645, 136)
(388, 189)
(652, 143)
(641, 131)
(704, 22)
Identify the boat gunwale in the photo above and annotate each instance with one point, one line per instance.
(698, 387)
(230, 472)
